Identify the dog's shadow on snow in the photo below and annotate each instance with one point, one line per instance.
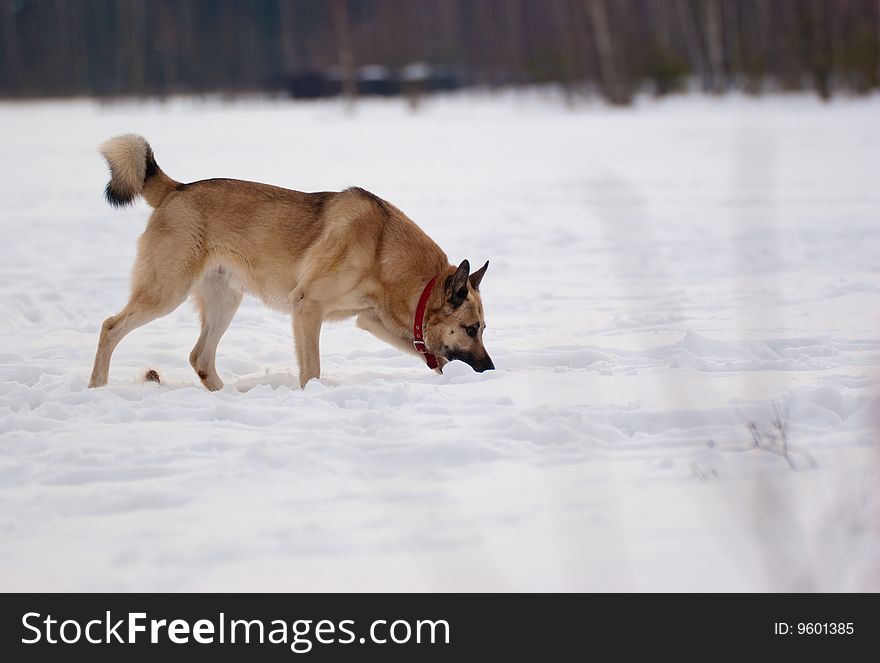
(273, 380)
(290, 380)
(453, 374)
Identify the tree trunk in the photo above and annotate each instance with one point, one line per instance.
(513, 34)
(877, 49)
(344, 53)
(715, 45)
(611, 80)
(691, 39)
(287, 39)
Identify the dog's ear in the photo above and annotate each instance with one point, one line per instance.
(456, 285)
(477, 276)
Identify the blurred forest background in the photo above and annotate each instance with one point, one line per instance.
(315, 48)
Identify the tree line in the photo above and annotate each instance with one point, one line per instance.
(612, 47)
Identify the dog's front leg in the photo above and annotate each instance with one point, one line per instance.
(307, 318)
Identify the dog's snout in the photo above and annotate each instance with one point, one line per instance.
(478, 362)
(485, 365)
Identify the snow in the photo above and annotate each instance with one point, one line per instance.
(682, 304)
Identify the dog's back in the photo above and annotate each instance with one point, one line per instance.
(266, 236)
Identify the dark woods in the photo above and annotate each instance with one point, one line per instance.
(312, 48)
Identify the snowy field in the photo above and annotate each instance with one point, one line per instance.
(683, 305)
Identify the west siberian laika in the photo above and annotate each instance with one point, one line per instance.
(319, 256)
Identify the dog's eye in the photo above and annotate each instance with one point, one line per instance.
(472, 331)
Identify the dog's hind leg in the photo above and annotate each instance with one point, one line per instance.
(170, 255)
(217, 303)
(147, 303)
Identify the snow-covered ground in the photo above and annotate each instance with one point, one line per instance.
(682, 305)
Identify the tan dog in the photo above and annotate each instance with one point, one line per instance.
(320, 256)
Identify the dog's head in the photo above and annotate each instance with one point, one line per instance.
(454, 330)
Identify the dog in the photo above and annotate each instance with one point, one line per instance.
(318, 256)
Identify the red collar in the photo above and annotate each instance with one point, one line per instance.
(419, 325)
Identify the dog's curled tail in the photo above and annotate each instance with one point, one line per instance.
(134, 172)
